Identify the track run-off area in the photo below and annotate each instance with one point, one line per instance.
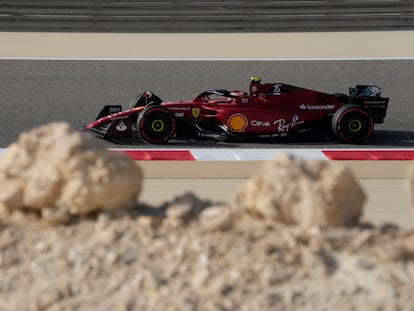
(69, 76)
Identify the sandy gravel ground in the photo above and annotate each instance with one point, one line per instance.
(378, 44)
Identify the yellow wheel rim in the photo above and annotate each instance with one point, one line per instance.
(157, 125)
(355, 125)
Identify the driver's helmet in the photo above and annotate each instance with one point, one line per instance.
(255, 79)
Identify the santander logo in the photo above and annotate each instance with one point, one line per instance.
(316, 107)
(121, 127)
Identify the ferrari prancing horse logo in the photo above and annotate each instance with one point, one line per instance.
(195, 112)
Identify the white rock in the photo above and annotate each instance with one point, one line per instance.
(11, 196)
(68, 172)
(301, 192)
(217, 217)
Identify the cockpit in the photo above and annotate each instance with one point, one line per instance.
(220, 96)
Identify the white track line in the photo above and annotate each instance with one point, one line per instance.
(259, 154)
(205, 59)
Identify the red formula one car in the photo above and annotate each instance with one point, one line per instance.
(267, 111)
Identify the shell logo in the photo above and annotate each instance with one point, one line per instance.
(237, 122)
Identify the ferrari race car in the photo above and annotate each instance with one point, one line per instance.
(267, 111)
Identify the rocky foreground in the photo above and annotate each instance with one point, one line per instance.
(290, 239)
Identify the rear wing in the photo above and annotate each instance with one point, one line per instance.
(369, 96)
(376, 107)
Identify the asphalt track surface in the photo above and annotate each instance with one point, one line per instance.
(34, 92)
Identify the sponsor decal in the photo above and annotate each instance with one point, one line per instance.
(284, 126)
(179, 114)
(237, 93)
(261, 96)
(316, 107)
(261, 123)
(244, 100)
(114, 110)
(195, 112)
(275, 89)
(121, 127)
(209, 135)
(376, 104)
(179, 108)
(237, 122)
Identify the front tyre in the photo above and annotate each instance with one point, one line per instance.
(156, 125)
(352, 124)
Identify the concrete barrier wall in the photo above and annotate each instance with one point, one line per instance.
(205, 16)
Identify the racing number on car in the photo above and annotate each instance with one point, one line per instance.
(275, 89)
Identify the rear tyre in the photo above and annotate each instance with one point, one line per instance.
(352, 124)
(156, 125)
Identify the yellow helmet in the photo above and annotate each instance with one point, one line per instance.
(255, 79)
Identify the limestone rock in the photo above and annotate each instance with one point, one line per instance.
(66, 172)
(216, 218)
(302, 192)
(11, 196)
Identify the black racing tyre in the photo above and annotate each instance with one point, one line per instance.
(156, 125)
(146, 99)
(352, 124)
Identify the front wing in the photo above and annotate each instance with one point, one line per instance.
(121, 127)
